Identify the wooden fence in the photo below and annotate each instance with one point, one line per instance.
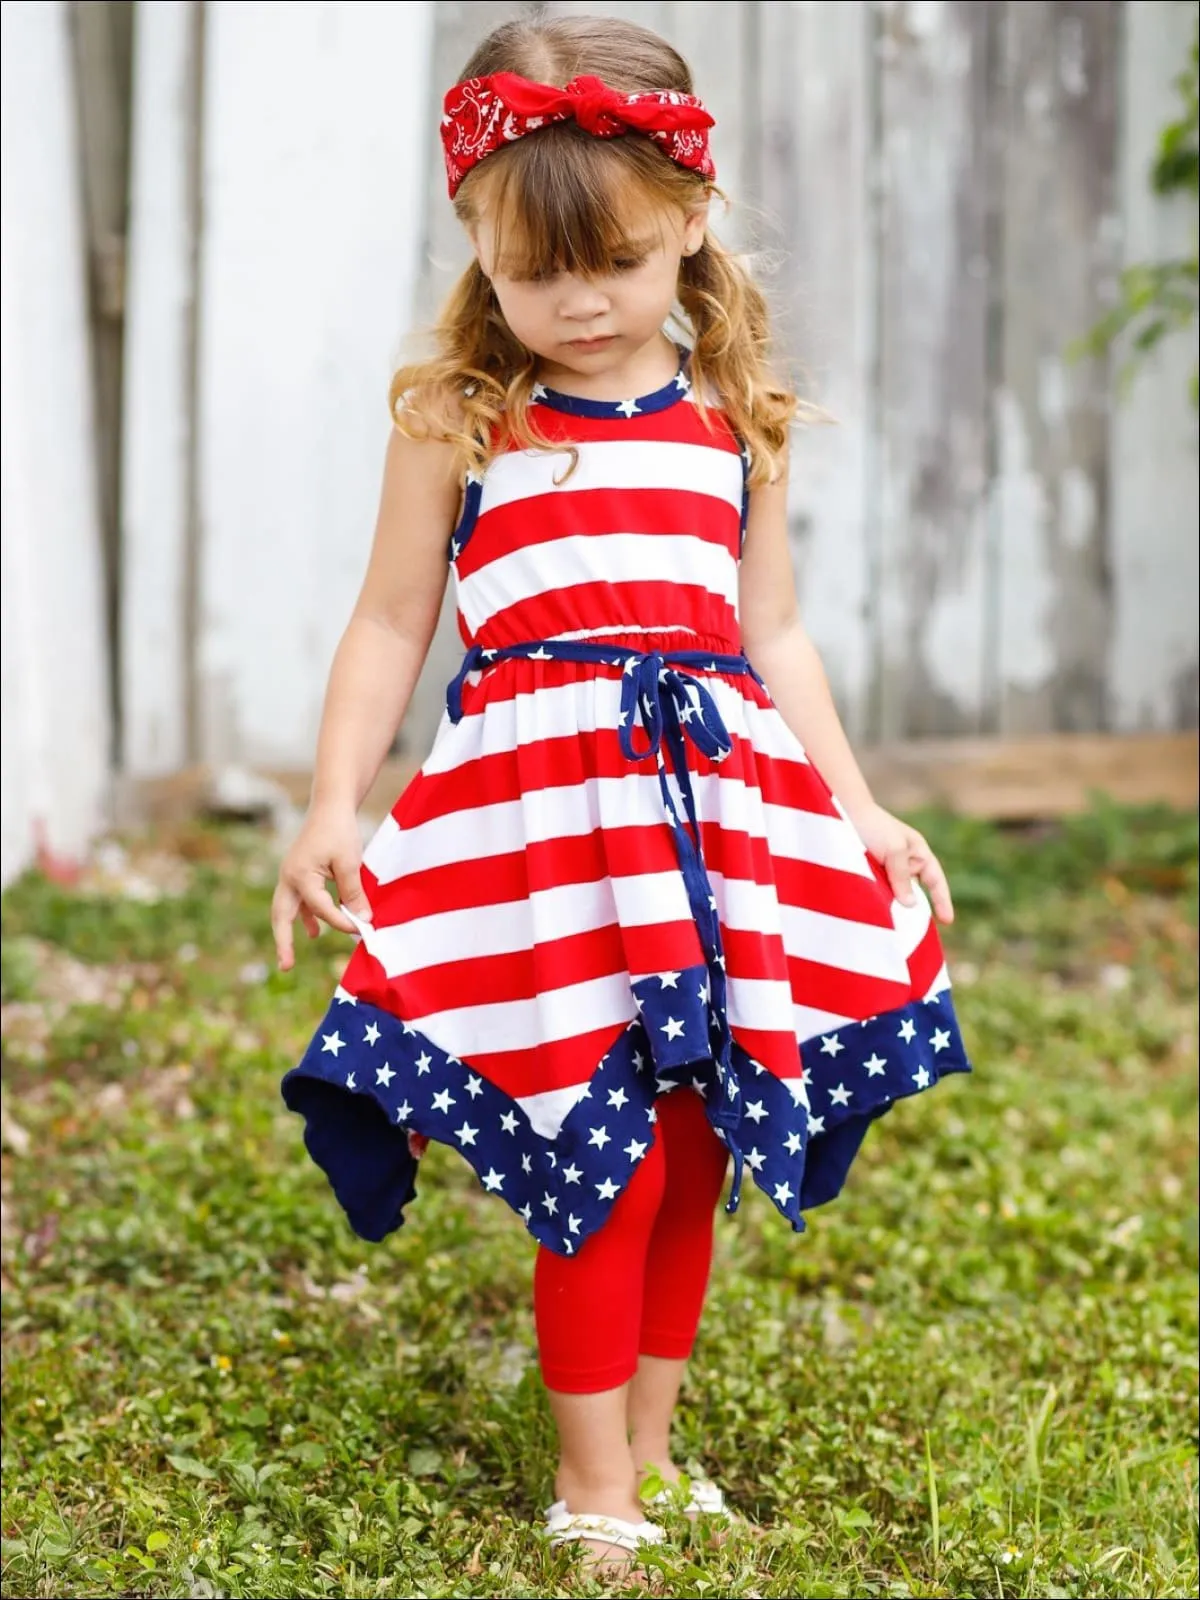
(987, 541)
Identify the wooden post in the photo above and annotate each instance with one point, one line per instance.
(102, 35)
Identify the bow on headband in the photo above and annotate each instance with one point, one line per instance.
(482, 115)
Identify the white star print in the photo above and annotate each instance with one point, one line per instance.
(332, 1042)
(731, 1089)
(875, 1065)
(573, 1224)
(350, 1081)
(793, 1144)
(424, 1062)
(538, 392)
(908, 1029)
(755, 1159)
(922, 1078)
(550, 1203)
(669, 980)
(443, 1101)
(526, 1164)
(371, 1034)
(474, 1087)
(652, 1115)
(509, 1122)
(756, 1110)
(673, 1028)
(344, 997)
(455, 549)
(526, 1212)
(831, 1045)
(541, 654)
(637, 1061)
(607, 1189)
(617, 1097)
(798, 1090)
(940, 1040)
(783, 1193)
(816, 1124)
(403, 1112)
(683, 383)
(698, 1085)
(629, 408)
(840, 1096)
(599, 1137)
(466, 1134)
(384, 1074)
(572, 1174)
(702, 994)
(635, 1151)
(492, 1180)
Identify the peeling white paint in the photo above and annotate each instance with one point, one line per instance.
(1027, 588)
(1077, 509)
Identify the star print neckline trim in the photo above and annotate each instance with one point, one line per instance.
(677, 389)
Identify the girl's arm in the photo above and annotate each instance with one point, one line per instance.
(375, 669)
(775, 641)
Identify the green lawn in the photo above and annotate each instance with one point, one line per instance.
(974, 1375)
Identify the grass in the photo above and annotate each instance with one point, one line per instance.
(975, 1375)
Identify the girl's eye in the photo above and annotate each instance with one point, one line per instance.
(627, 263)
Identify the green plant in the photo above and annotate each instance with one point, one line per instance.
(1158, 298)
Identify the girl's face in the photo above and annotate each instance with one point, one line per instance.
(594, 325)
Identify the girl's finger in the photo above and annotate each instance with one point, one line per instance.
(934, 879)
(284, 907)
(320, 902)
(311, 926)
(899, 876)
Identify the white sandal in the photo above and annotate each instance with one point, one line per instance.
(705, 1499)
(567, 1527)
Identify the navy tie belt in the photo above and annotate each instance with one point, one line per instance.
(674, 708)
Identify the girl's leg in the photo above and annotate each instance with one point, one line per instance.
(677, 1269)
(588, 1311)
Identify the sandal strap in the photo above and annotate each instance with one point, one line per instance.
(705, 1499)
(565, 1526)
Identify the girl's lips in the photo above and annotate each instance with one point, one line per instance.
(591, 344)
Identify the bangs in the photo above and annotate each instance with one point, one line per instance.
(563, 201)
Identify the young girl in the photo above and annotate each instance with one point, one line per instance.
(617, 938)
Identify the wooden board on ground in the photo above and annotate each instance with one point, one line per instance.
(1005, 780)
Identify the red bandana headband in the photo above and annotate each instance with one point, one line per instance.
(482, 115)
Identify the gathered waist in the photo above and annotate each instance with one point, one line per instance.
(655, 655)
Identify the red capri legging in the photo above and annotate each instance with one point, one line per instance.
(637, 1286)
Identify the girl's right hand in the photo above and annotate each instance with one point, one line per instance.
(329, 845)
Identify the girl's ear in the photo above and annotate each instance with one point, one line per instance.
(694, 226)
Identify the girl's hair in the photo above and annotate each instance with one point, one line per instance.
(562, 196)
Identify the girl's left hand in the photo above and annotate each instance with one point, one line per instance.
(904, 855)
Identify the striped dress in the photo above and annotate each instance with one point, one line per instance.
(617, 875)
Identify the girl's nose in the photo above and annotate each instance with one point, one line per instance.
(581, 300)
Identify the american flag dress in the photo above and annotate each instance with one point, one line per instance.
(617, 874)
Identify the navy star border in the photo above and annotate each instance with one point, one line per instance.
(367, 1078)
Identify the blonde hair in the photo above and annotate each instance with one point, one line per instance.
(558, 192)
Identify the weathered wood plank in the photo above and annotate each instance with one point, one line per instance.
(102, 39)
(54, 732)
(815, 189)
(157, 432)
(1153, 440)
(1054, 594)
(932, 416)
(309, 261)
